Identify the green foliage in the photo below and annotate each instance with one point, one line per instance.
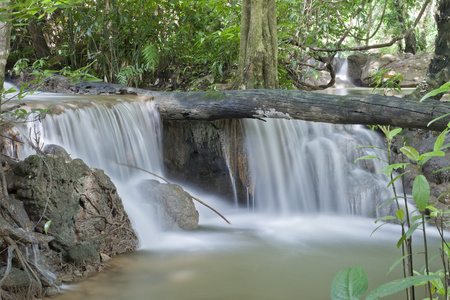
(381, 78)
(411, 222)
(445, 88)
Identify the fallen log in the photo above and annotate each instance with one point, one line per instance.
(350, 109)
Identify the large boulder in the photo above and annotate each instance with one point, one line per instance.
(86, 213)
(174, 207)
(413, 67)
(356, 63)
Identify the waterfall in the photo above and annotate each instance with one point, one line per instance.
(107, 136)
(297, 167)
(342, 73)
(305, 167)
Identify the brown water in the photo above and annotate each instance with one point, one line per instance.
(255, 259)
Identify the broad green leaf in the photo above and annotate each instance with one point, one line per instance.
(410, 152)
(421, 192)
(398, 285)
(393, 133)
(367, 157)
(349, 284)
(432, 154)
(47, 226)
(400, 214)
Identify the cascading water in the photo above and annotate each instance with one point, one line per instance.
(107, 137)
(303, 167)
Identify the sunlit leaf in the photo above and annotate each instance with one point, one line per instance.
(47, 226)
(410, 152)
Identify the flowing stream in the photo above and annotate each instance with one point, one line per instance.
(308, 218)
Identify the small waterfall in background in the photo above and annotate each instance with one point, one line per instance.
(308, 168)
(107, 136)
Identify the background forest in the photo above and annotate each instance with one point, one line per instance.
(180, 45)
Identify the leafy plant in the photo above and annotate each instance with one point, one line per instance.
(381, 78)
(410, 221)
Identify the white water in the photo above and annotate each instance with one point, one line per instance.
(304, 167)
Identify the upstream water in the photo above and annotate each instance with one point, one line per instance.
(308, 221)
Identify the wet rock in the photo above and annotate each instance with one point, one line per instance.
(56, 151)
(174, 206)
(83, 254)
(356, 63)
(413, 67)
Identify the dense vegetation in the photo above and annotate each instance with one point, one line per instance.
(194, 44)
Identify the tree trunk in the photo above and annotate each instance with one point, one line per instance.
(5, 32)
(39, 42)
(351, 109)
(410, 39)
(258, 57)
(439, 70)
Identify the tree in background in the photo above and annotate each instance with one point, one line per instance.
(5, 31)
(439, 70)
(258, 56)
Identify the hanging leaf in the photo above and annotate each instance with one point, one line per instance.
(421, 192)
(349, 284)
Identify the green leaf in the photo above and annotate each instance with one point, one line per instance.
(400, 214)
(437, 119)
(443, 89)
(394, 133)
(432, 154)
(396, 262)
(349, 284)
(407, 234)
(410, 152)
(388, 170)
(443, 169)
(421, 192)
(367, 157)
(47, 226)
(385, 218)
(399, 285)
(440, 140)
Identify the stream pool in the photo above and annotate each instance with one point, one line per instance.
(256, 258)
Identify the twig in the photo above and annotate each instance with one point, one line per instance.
(167, 181)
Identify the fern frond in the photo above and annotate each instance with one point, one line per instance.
(150, 57)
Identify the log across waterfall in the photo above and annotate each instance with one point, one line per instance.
(349, 109)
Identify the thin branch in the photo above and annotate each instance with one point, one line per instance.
(162, 178)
